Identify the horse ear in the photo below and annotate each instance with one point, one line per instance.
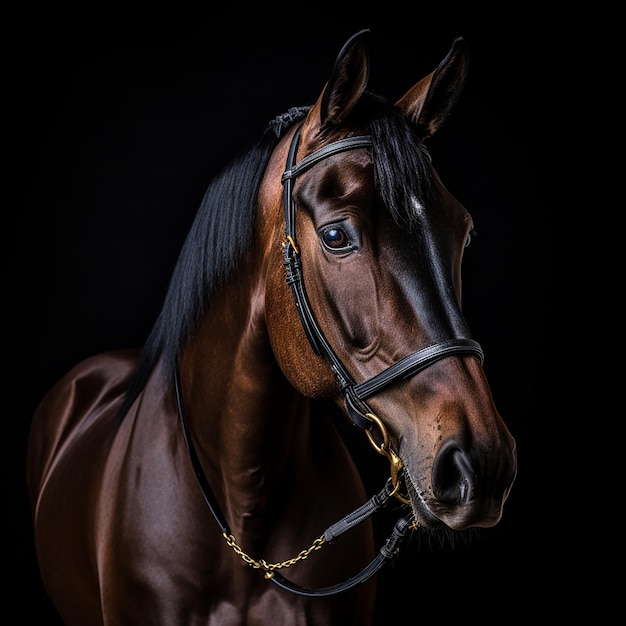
(429, 102)
(344, 87)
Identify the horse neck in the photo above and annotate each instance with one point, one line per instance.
(250, 426)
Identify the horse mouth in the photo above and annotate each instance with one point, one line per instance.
(422, 513)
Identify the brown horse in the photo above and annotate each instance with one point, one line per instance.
(205, 480)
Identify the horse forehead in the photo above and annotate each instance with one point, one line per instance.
(350, 177)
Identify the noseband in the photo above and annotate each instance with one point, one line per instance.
(355, 395)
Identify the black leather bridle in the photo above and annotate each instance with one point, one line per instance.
(355, 394)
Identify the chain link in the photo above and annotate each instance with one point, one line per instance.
(269, 568)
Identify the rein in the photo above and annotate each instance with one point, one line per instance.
(355, 395)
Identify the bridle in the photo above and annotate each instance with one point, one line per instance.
(355, 394)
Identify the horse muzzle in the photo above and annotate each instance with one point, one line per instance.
(466, 488)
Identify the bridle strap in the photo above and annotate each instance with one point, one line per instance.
(341, 145)
(415, 363)
(203, 481)
(389, 550)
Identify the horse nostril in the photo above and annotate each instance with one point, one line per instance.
(453, 476)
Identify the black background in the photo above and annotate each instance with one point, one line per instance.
(116, 124)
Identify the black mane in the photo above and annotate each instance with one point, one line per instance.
(223, 226)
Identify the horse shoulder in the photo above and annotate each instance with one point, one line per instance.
(93, 385)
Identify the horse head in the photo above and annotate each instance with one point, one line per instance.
(378, 243)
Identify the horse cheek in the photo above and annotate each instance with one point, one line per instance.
(307, 372)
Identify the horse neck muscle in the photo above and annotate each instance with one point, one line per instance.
(249, 425)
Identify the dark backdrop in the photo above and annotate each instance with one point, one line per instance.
(116, 125)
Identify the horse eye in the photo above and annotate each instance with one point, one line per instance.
(470, 236)
(335, 238)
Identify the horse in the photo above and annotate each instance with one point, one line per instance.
(203, 478)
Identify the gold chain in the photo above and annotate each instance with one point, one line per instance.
(396, 466)
(269, 568)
